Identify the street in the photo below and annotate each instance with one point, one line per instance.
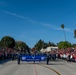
(39, 68)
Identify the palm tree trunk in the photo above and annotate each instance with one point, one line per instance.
(64, 34)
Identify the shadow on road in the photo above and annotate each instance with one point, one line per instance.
(4, 61)
(41, 63)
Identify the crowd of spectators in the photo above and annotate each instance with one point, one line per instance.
(6, 53)
(68, 54)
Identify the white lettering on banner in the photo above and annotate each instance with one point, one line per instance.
(23, 58)
(33, 57)
(42, 58)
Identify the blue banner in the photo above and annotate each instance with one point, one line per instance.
(33, 57)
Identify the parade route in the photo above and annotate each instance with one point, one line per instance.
(38, 68)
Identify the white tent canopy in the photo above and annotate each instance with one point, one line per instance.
(43, 50)
(48, 49)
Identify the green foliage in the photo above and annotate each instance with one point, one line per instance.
(49, 44)
(21, 45)
(8, 41)
(41, 44)
(73, 45)
(64, 45)
(74, 33)
(0, 44)
(62, 26)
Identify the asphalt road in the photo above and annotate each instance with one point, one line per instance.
(39, 68)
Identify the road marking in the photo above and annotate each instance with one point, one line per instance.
(35, 69)
(52, 69)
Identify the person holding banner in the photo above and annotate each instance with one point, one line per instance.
(18, 57)
(48, 58)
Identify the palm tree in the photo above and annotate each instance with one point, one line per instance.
(74, 33)
(62, 26)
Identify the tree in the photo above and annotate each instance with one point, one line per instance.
(39, 45)
(73, 45)
(74, 33)
(20, 45)
(8, 41)
(0, 44)
(62, 26)
(50, 44)
(64, 45)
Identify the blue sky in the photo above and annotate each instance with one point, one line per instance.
(32, 20)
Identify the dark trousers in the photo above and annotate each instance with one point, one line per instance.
(19, 60)
(47, 61)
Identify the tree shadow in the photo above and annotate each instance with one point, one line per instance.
(4, 61)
